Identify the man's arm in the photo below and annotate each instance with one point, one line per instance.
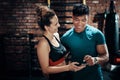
(103, 55)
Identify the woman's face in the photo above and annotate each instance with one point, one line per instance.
(53, 28)
(80, 22)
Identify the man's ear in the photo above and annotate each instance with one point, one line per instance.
(72, 17)
(88, 18)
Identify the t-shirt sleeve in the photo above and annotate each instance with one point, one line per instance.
(100, 38)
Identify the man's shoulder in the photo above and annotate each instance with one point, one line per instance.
(66, 35)
(68, 32)
(92, 29)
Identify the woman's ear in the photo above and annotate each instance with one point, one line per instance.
(46, 28)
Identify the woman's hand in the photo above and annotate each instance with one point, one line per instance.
(73, 66)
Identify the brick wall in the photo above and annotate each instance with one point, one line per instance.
(18, 24)
(18, 16)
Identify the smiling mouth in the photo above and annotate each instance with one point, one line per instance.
(79, 28)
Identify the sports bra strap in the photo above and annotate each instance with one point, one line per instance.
(46, 39)
(49, 40)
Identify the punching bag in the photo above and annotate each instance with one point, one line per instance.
(112, 30)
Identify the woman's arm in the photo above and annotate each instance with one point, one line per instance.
(43, 50)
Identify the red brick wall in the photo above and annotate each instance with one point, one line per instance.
(17, 20)
(18, 16)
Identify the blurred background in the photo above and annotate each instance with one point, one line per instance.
(19, 34)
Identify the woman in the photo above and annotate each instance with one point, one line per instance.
(51, 53)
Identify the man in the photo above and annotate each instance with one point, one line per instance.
(86, 45)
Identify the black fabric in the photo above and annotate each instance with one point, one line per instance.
(56, 53)
(61, 76)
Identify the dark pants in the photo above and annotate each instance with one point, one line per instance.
(60, 76)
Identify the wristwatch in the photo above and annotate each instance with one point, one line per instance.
(95, 60)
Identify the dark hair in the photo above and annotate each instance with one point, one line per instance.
(80, 9)
(44, 16)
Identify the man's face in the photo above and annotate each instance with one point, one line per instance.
(80, 22)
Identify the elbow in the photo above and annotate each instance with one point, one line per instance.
(107, 57)
(45, 72)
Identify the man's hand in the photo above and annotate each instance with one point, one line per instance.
(90, 60)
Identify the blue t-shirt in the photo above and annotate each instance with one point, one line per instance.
(81, 44)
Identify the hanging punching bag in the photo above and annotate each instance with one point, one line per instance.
(48, 3)
(112, 30)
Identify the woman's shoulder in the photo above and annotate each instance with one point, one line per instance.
(42, 41)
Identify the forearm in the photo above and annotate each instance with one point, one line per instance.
(101, 59)
(63, 68)
(103, 54)
(55, 69)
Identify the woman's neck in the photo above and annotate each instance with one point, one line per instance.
(48, 35)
